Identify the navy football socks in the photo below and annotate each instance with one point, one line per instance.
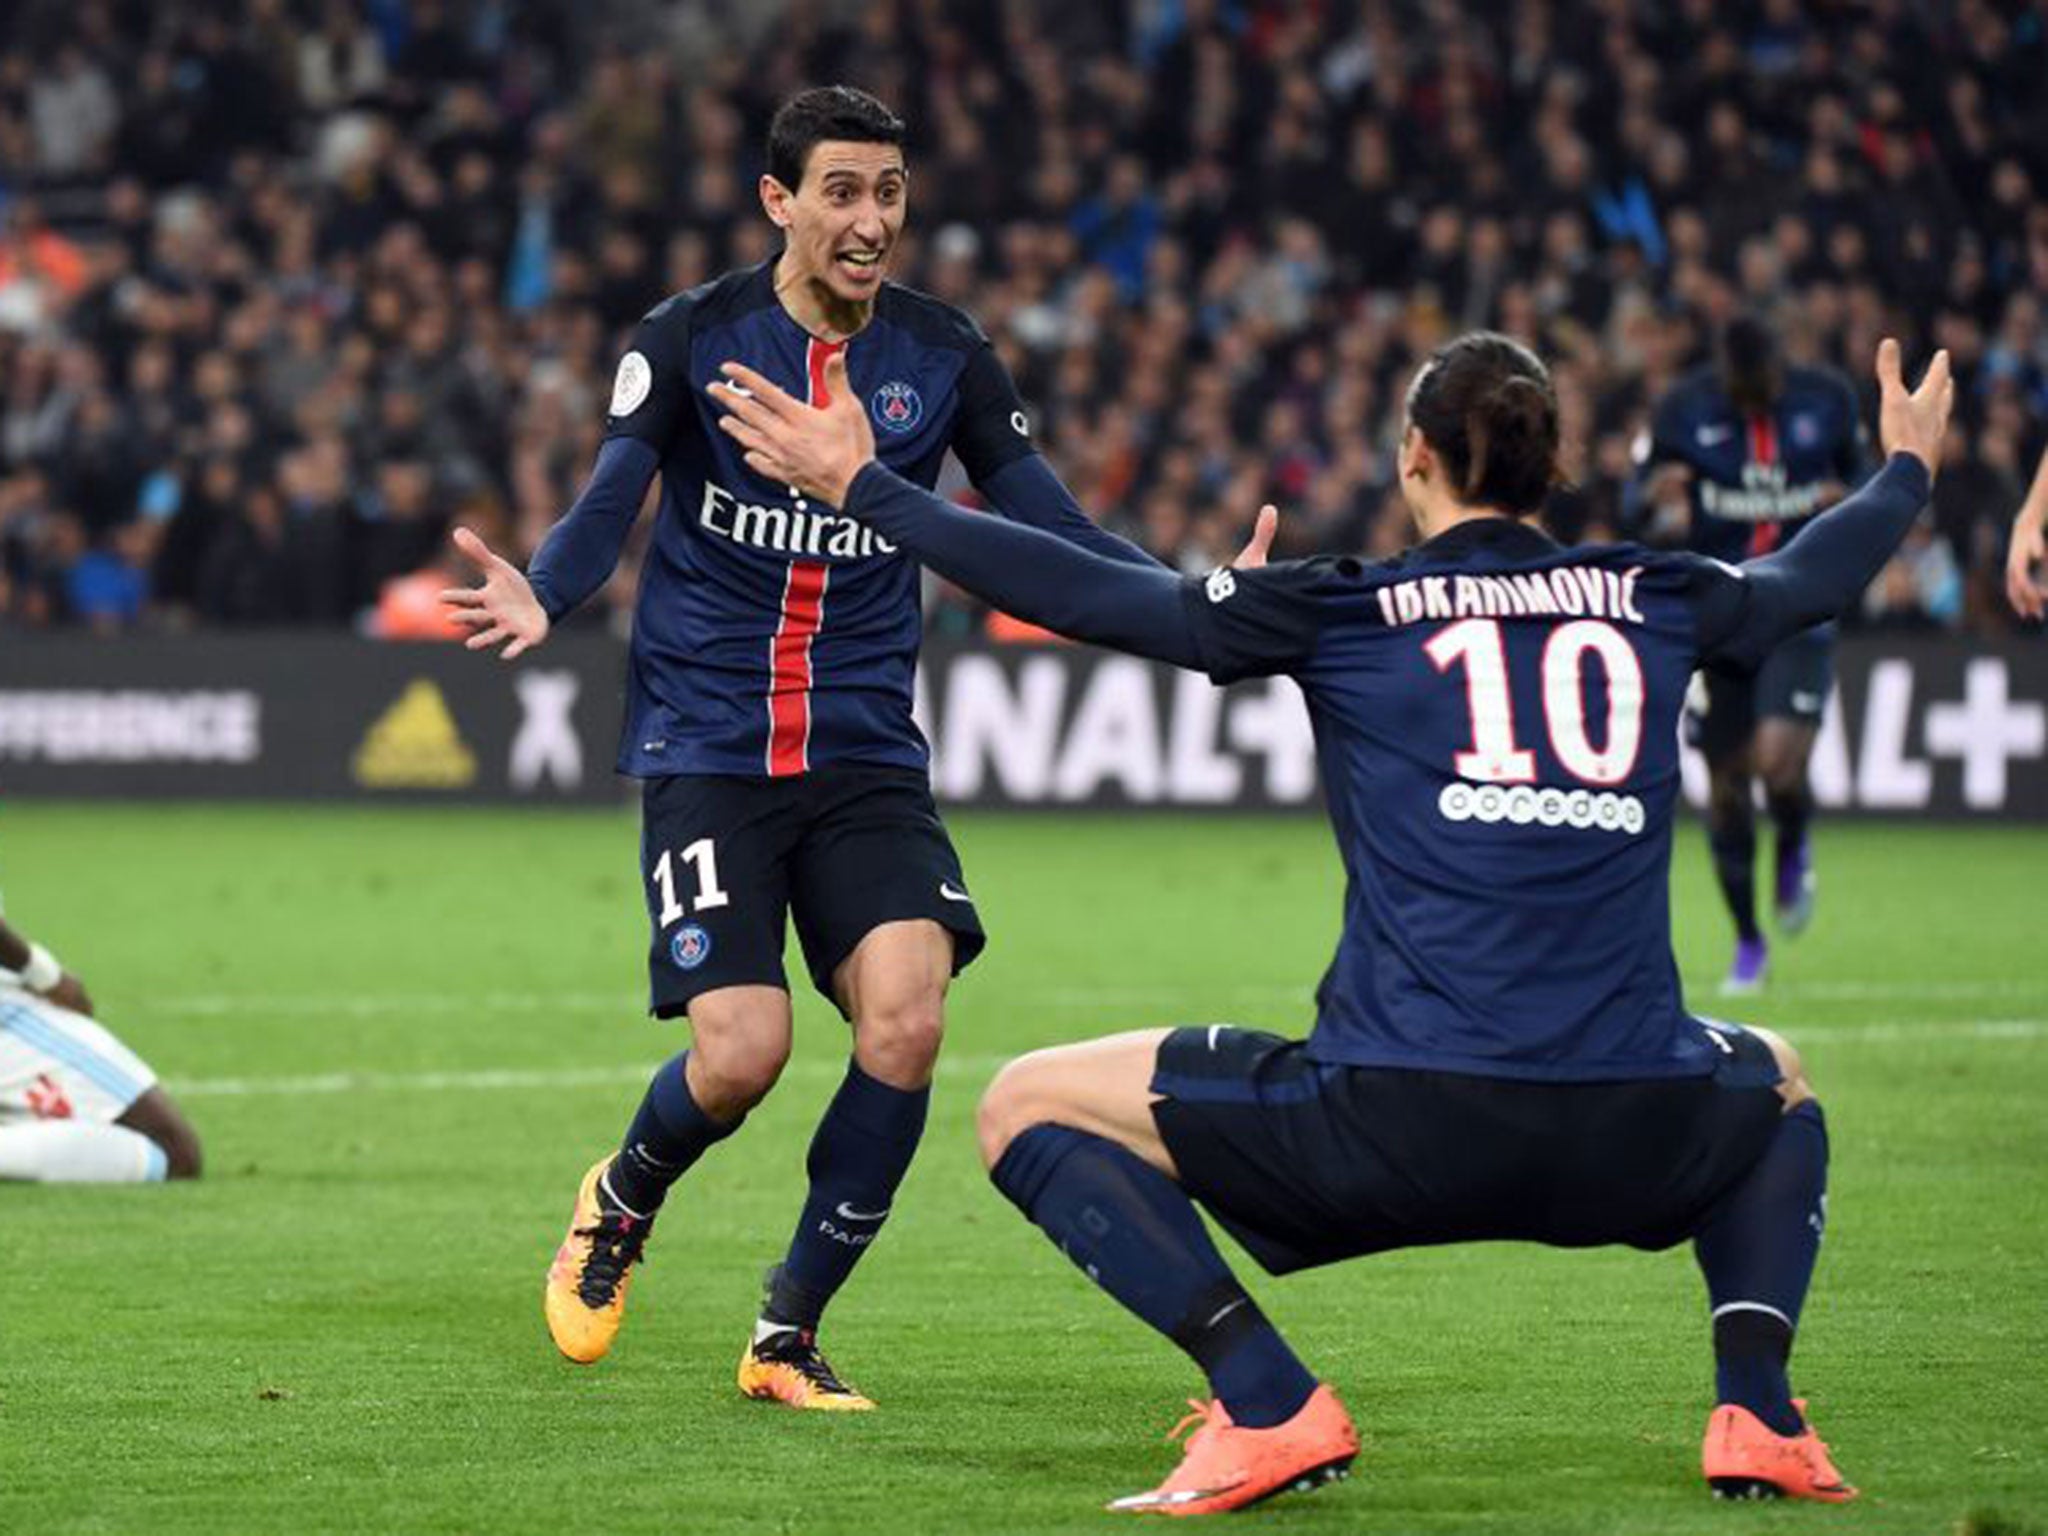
(1790, 813)
(1733, 841)
(1757, 1252)
(859, 1155)
(1135, 1233)
(669, 1132)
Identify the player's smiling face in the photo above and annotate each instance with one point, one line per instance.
(843, 222)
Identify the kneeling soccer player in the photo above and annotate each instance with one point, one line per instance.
(1501, 1050)
(76, 1105)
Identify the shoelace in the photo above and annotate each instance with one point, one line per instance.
(615, 1244)
(1205, 1414)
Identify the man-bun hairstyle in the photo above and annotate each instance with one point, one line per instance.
(1485, 406)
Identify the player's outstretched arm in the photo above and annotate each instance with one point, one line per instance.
(1823, 571)
(517, 609)
(830, 454)
(1030, 491)
(2026, 550)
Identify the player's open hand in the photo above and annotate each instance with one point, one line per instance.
(501, 611)
(2023, 556)
(815, 450)
(1913, 423)
(1254, 553)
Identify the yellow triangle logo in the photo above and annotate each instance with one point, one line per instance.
(414, 745)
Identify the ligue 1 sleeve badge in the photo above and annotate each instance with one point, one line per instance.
(897, 407)
(691, 947)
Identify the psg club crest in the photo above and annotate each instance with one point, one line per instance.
(897, 407)
(691, 947)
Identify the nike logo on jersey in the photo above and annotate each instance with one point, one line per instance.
(1711, 436)
(952, 892)
(1806, 703)
(848, 1213)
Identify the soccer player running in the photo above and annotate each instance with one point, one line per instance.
(1743, 454)
(76, 1105)
(769, 716)
(1501, 1049)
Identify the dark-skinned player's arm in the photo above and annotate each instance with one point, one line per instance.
(517, 608)
(40, 971)
(1748, 609)
(994, 445)
(829, 454)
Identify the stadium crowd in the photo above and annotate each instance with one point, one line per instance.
(288, 285)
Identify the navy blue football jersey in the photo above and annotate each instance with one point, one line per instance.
(1497, 723)
(1757, 480)
(773, 635)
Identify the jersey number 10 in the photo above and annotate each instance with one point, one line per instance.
(1496, 756)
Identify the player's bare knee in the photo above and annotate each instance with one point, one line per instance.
(1793, 1086)
(1783, 773)
(1010, 1105)
(732, 1071)
(900, 1044)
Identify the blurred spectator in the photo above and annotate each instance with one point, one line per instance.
(281, 281)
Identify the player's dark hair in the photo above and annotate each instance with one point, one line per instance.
(811, 117)
(1485, 405)
(1748, 360)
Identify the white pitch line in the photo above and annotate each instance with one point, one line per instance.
(1207, 999)
(494, 1079)
(534, 1078)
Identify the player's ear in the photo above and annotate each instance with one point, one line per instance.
(1414, 456)
(775, 198)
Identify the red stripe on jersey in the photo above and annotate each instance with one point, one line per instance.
(789, 669)
(815, 354)
(803, 615)
(1763, 449)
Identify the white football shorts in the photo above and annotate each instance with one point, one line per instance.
(60, 1065)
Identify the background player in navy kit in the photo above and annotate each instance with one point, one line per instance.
(1742, 455)
(769, 714)
(1501, 1048)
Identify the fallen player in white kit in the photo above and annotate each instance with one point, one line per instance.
(76, 1105)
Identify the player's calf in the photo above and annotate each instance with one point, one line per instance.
(1757, 1250)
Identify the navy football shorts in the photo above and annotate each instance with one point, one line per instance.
(1792, 684)
(725, 861)
(1307, 1162)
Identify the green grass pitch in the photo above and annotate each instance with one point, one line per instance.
(404, 1034)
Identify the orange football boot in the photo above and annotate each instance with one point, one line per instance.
(785, 1367)
(1227, 1466)
(586, 1293)
(1744, 1458)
